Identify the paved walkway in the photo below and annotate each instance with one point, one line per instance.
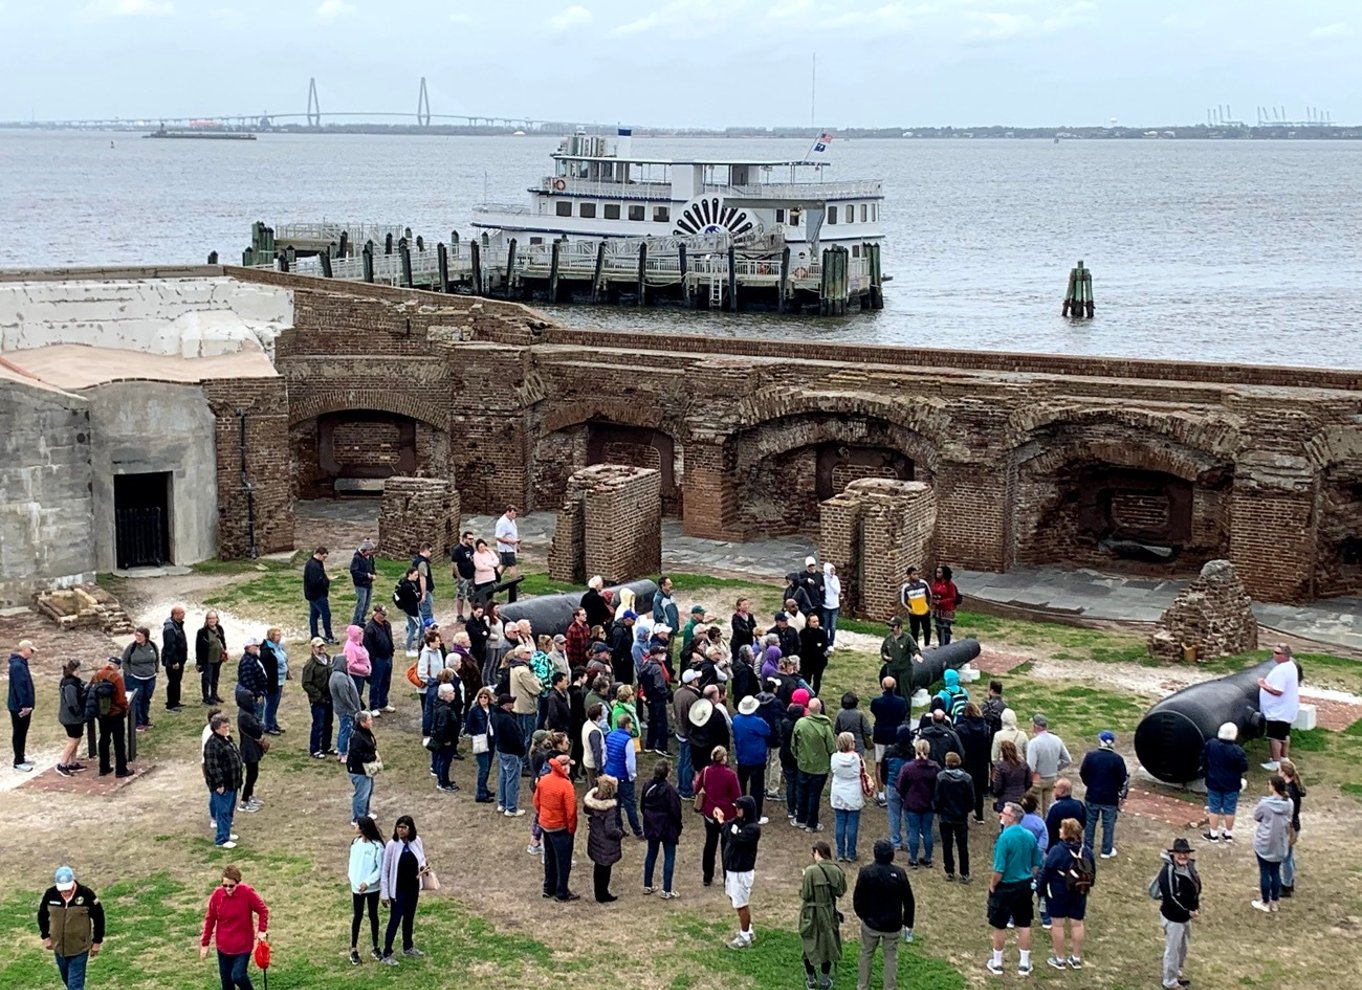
(1079, 592)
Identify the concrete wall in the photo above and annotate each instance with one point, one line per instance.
(145, 427)
(46, 505)
(183, 317)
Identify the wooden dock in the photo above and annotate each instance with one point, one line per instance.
(701, 273)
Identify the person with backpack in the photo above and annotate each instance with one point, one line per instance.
(946, 598)
(1069, 872)
(107, 701)
(1177, 888)
(71, 716)
(425, 579)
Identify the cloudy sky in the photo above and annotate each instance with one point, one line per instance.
(708, 63)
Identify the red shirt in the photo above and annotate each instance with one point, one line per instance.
(230, 914)
(721, 788)
(578, 638)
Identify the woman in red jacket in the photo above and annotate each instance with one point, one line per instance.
(945, 598)
(230, 908)
(717, 787)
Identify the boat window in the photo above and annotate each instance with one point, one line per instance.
(661, 214)
(780, 216)
(855, 250)
(832, 214)
(536, 240)
(851, 213)
(563, 208)
(586, 210)
(875, 211)
(612, 211)
(636, 212)
(863, 212)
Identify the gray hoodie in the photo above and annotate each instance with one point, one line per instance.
(1271, 837)
(141, 661)
(344, 694)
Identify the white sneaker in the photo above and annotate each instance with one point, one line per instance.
(1110, 855)
(229, 844)
(1271, 766)
(389, 708)
(518, 813)
(411, 654)
(740, 941)
(24, 767)
(233, 836)
(1260, 906)
(764, 821)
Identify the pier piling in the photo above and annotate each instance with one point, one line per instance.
(596, 287)
(510, 268)
(783, 288)
(686, 299)
(325, 259)
(388, 243)
(442, 265)
(1078, 302)
(404, 255)
(345, 246)
(642, 274)
(212, 257)
(475, 257)
(368, 257)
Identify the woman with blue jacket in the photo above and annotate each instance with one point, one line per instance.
(477, 726)
(366, 871)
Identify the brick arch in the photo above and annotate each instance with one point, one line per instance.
(1217, 436)
(1181, 462)
(401, 403)
(1334, 445)
(929, 422)
(796, 431)
(646, 416)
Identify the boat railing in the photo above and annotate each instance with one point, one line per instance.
(854, 189)
(327, 230)
(511, 209)
(606, 190)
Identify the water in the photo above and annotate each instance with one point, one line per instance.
(1217, 251)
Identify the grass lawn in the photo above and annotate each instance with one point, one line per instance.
(147, 852)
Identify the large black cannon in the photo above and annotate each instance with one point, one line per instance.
(552, 614)
(936, 660)
(1170, 737)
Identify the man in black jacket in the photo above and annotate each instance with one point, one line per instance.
(509, 744)
(222, 773)
(317, 589)
(71, 923)
(558, 708)
(740, 838)
(362, 576)
(174, 655)
(378, 640)
(883, 900)
(622, 647)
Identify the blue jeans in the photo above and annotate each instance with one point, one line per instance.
(526, 723)
(508, 792)
(443, 757)
(272, 709)
(362, 596)
(427, 608)
(364, 790)
(1108, 813)
(898, 827)
(943, 630)
(810, 797)
(320, 739)
(413, 631)
(685, 770)
(1289, 867)
(920, 827)
(658, 734)
(484, 765)
(347, 726)
(668, 863)
(320, 609)
(380, 681)
(223, 806)
(72, 969)
(627, 803)
(1269, 880)
(428, 707)
(360, 682)
(846, 828)
(146, 687)
(829, 617)
(235, 971)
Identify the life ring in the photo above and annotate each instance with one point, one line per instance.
(559, 185)
(801, 273)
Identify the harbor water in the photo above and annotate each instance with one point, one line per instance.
(1240, 251)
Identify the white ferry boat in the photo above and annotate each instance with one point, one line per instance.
(600, 190)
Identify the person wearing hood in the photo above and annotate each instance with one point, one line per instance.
(317, 686)
(141, 660)
(953, 800)
(847, 770)
(820, 930)
(20, 701)
(883, 901)
(832, 603)
(1271, 842)
(357, 662)
(1223, 764)
(887, 771)
(345, 702)
(813, 652)
(899, 652)
(1010, 732)
(741, 836)
(973, 730)
(603, 835)
(1179, 890)
(746, 680)
(751, 740)
(941, 737)
(662, 825)
(952, 694)
(813, 745)
(251, 741)
(362, 568)
(555, 802)
(1107, 780)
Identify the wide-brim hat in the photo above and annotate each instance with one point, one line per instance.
(700, 712)
(1181, 845)
(748, 706)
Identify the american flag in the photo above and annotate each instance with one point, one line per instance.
(820, 145)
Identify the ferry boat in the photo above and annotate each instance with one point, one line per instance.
(600, 190)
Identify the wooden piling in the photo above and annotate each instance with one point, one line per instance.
(1078, 301)
(453, 243)
(876, 279)
(555, 253)
(783, 287)
(597, 289)
(345, 245)
(510, 268)
(475, 257)
(281, 261)
(732, 279)
(212, 257)
(404, 257)
(642, 274)
(442, 264)
(685, 275)
(823, 283)
(420, 245)
(388, 243)
(325, 259)
(368, 256)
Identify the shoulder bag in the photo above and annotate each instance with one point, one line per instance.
(374, 768)
(699, 801)
(479, 743)
(429, 881)
(867, 785)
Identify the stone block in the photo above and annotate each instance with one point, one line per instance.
(610, 524)
(873, 532)
(1213, 615)
(1306, 717)
(415, 511)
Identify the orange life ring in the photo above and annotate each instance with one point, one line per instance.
(801, 273)
(559, 185)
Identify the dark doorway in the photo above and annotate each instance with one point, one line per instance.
(141, 520)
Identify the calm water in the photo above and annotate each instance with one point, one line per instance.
(1226, 251)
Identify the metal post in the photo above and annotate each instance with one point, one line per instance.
(642, 272)
(130, 725)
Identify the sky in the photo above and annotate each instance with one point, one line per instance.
(688, 63)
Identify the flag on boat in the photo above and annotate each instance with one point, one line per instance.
(820, 145)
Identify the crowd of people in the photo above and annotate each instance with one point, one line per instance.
(733, 715)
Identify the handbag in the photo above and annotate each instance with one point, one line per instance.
(373, 769)
(264, 743)
(867, 786)
(429, 743)
(429, 881)
(415, 678)
(480, 744)
(698, 803)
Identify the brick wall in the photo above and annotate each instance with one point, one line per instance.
(873, 532)
(260, 508)
(610, 524)
(416, 510)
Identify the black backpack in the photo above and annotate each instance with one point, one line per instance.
(1081, 873)
(103, 695)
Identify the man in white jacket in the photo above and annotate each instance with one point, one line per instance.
(832, 602)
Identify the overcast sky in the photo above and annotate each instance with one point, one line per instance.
(706, 63)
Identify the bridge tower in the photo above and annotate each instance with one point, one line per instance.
(423, 106)
(314, 105)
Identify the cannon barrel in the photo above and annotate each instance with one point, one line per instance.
(550, 615)
(1170, 737)
(937, 659)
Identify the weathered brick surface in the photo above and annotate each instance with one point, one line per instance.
(255, 511)
(1213, 615)
(415, 510)
(873, 532)
(1032, 459)
(610, 524)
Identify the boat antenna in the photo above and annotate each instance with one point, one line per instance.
(813, 90)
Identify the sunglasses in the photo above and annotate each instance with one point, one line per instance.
(226, 885)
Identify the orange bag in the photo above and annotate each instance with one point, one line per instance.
(415, 678)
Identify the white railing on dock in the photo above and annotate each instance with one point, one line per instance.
(327, 231)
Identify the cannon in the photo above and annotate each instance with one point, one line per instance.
(550, 615)
(935, 662)
(1170, 737)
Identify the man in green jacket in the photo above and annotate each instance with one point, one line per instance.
(899, 652)
(812, 743)
(71, 923)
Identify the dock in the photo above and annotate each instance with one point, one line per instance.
(716, 272)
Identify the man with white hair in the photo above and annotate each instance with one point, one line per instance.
(598, 610)
(444, 732)
(1223, 764)
(1016, 861)
(20, 702)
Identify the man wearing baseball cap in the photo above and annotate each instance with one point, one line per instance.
(21, 701)
(71, 923)
(1105, 776)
